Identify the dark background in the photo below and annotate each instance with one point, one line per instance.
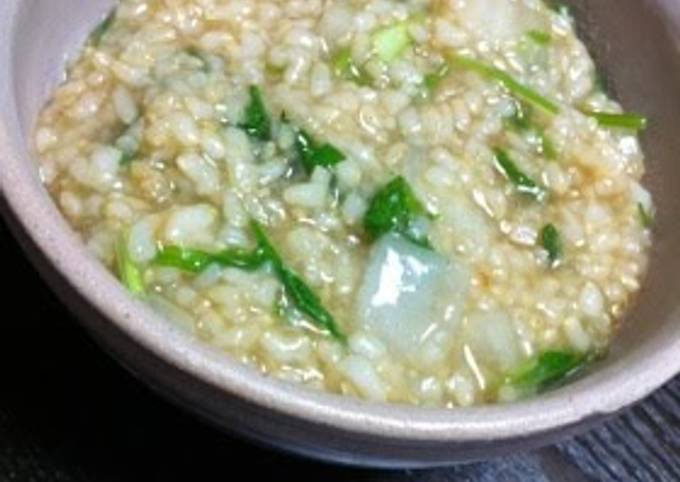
(69, 413)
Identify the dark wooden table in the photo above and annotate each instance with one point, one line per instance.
(69, 413)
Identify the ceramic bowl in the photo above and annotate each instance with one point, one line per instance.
(636, 46)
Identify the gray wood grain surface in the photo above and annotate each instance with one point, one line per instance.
(69, 414)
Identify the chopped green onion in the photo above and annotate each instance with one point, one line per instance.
(390, 42)
(295, 289)
(540, 37)
(546, 369)
(552, 243)
(646, 216)
(196, 261)
(396, 208)
(345, 68)
(103, 27)
(128, 272)
(313, 154)
(510, 83)
(635, 122)
(257, 122)
(522, 182)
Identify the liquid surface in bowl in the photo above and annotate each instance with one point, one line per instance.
(426, 202)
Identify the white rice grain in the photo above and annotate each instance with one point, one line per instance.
(125, 105)
(363, 376)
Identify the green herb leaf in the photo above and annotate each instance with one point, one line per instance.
(127, 157)
(646, 217)
(521, 118)
(546, 369)
(257, 122)
(634, 122)
(514, 174)
(128, 272)
(313, 154)
(308, 303)
(396, 208)
(345, 68)
(433, 79)
(547, 147)
(265, 246)
(196, 261)
(552, 243)
(191, 260)
(100, 30)
(510, 83)
(540, 37)
(295, 289)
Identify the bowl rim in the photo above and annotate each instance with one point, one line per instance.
(605, 391)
